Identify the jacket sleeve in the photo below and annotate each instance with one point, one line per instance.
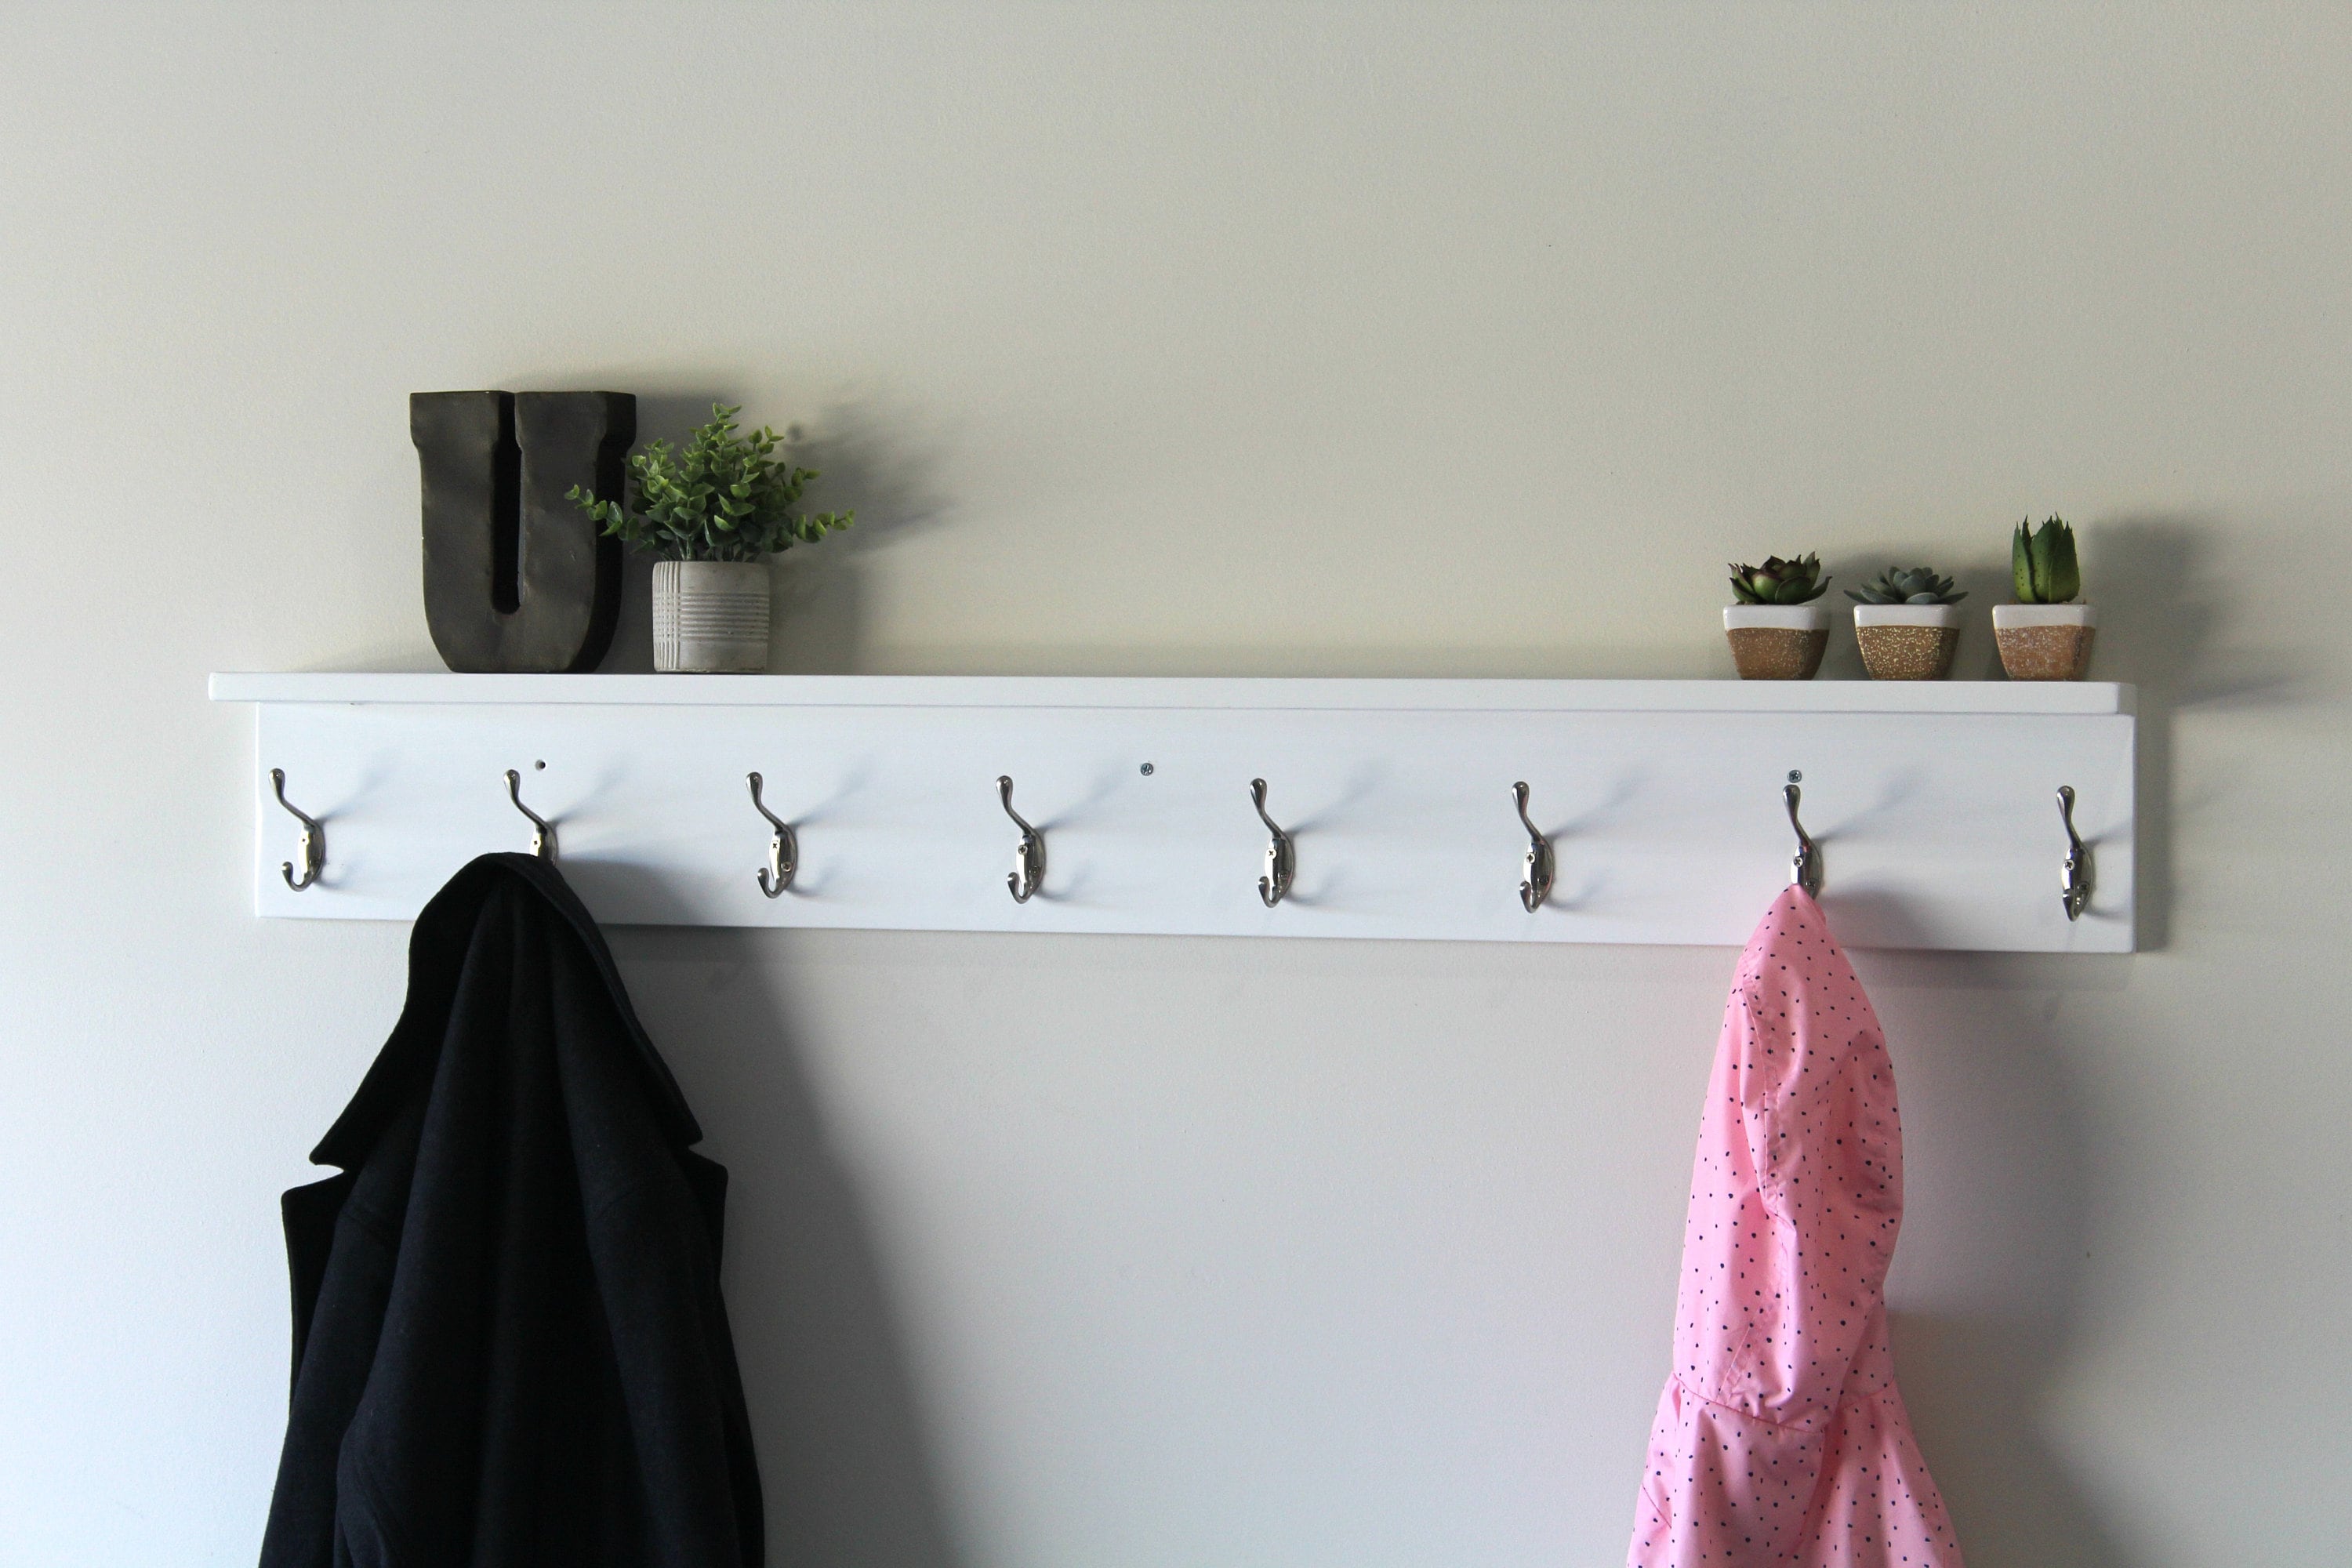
(1825, 1172)
(342, 1263)
(310, 1214)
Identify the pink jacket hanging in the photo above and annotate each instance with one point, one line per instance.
(1780, 1437)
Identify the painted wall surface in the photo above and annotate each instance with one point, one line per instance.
(1209, 339)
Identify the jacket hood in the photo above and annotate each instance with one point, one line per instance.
(437, 957)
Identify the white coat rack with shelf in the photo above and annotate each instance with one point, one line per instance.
(1933, 803)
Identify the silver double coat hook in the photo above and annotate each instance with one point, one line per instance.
(2076, 876)
(1805, 870)
(314, 837)
(1281, 853)
(543, 832)
(1028, 873)
(1538, 869)
(783, 847)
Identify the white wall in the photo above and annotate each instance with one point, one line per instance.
(1211, 339)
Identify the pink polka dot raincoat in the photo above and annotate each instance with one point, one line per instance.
(1780, 1437)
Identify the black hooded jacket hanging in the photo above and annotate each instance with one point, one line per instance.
(509, 1348)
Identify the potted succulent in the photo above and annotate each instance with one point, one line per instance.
(1905, 624)
(1776, 632)
(2045, 636)
(714, 513)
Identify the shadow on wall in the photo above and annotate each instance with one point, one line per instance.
(1974, 1386)
(1979, 1036)
(865, 459)
(867, 462)
(2162, 611)
(843, 1468)
(1988, 1042)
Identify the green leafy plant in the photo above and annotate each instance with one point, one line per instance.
(725, 497)
(2043, 563)
(1907, 585)
(1779, 582)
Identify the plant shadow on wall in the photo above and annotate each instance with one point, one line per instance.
(844, 1470)
(867, 461)
(2163, 620)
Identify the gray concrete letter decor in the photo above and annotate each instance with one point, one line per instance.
(517, 577)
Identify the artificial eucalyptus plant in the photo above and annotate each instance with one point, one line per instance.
(724, 497)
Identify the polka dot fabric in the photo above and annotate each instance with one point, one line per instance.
(1780, 1437)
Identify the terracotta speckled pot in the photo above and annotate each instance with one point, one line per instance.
(1777, 642)
(2045, 642)
(1907, 642)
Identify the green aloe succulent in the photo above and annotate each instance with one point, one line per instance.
(2043, 563)
(1779, 582)
(1907, 585)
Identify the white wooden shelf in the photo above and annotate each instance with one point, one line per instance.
(1932, 801)
(2050, 696)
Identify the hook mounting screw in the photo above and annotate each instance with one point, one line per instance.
(2076, 881)
(314, 838)
(543, 832)
(1805, 869)
(783, 847)
(1028, 873)
(1281, 853)
(1539, 867)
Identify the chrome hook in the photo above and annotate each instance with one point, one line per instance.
(1805, 870)
(2076, 880)
(783, 847)
(1028, 873)
(314, 838)
(1281, 854)
(542, 834)
(1539, 867)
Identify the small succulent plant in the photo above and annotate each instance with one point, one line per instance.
(1907, 585)
(2043, 563)
(1779, 582)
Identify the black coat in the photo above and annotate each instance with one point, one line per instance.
(509, 1348)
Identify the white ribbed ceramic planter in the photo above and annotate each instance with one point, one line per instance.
(710, 617)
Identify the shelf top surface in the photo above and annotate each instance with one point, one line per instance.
(436, 688)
